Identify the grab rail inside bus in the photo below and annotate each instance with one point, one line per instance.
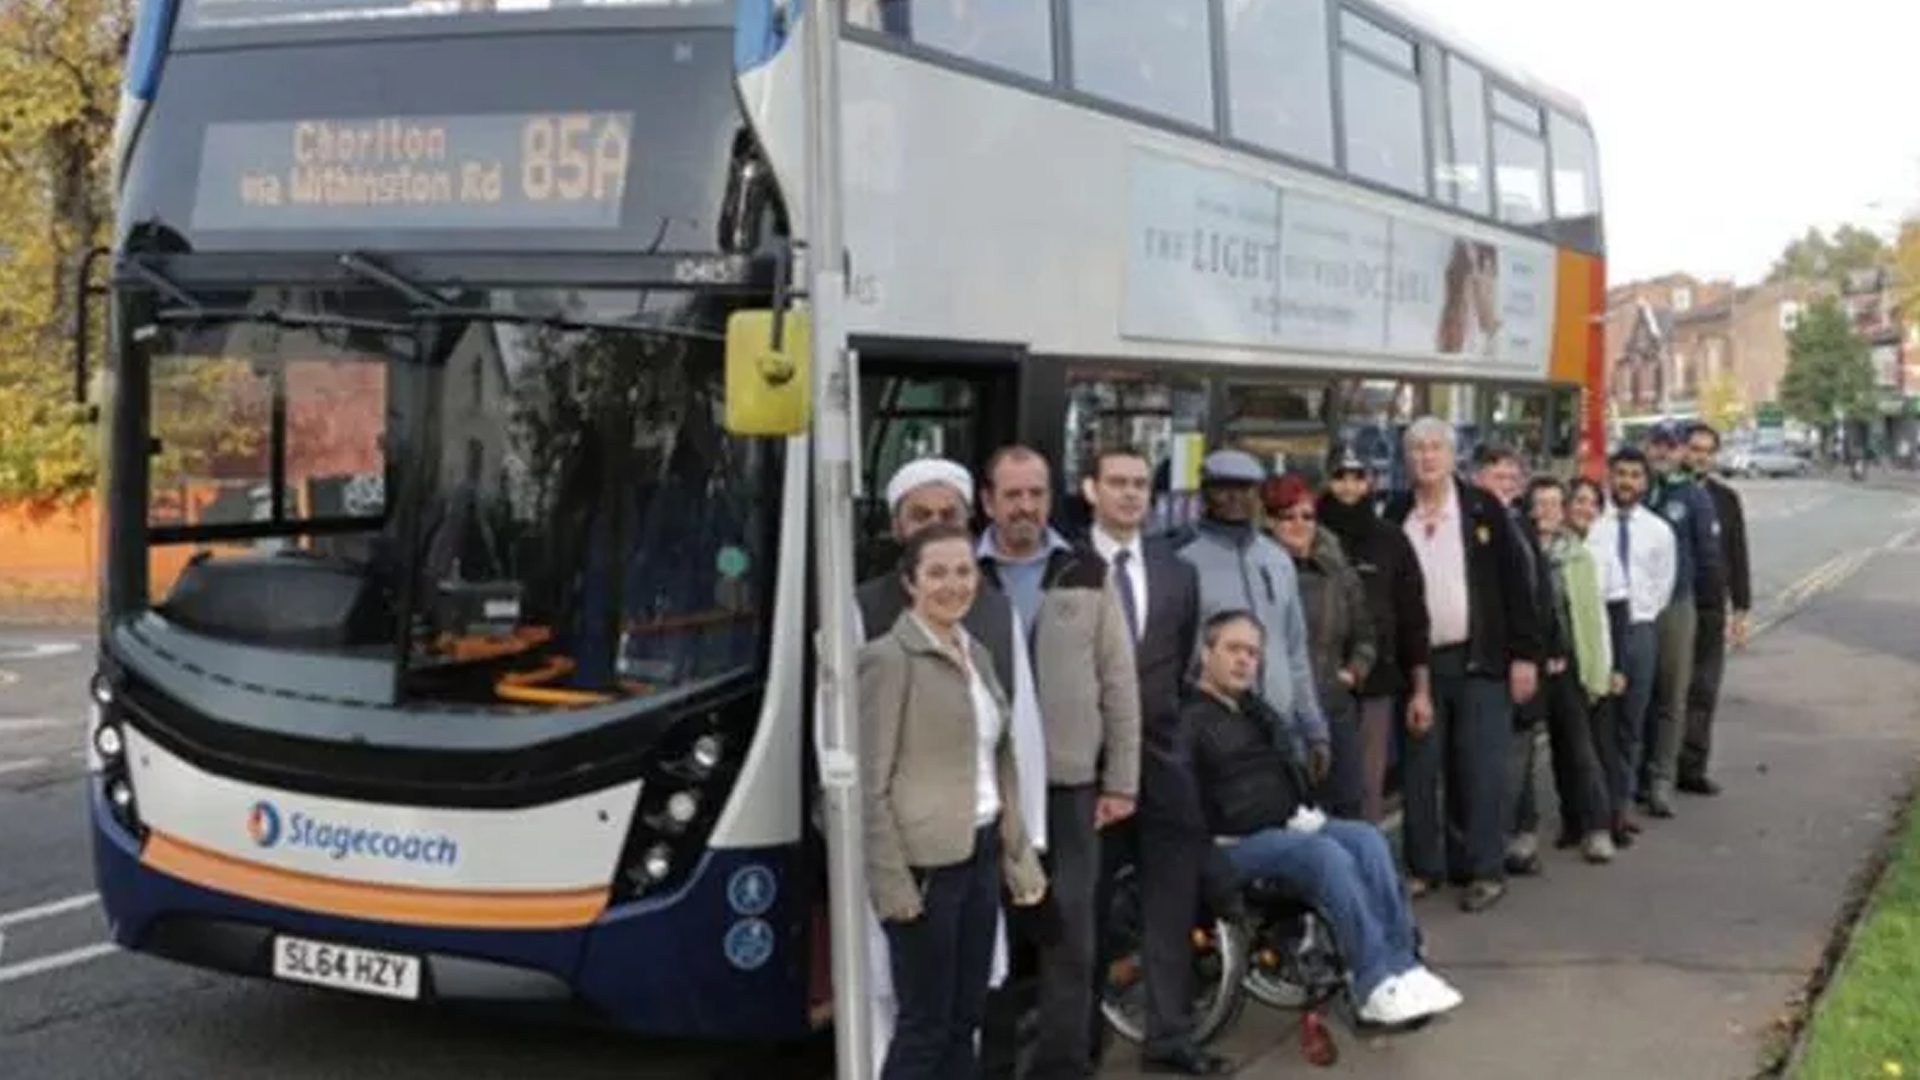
(530, 686)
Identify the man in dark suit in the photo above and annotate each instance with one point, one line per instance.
(1160, 597)
(1717, 627)
(1484, 660)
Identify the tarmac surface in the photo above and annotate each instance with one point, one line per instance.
(1673, 962)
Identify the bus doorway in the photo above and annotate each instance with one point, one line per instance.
(914, 402)
(924, 407)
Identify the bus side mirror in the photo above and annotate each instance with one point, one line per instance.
(768, 387)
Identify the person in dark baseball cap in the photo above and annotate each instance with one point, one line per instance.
(1396, 600)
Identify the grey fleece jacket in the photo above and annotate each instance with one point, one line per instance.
(1242, 568)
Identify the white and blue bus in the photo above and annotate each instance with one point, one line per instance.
(453, 647)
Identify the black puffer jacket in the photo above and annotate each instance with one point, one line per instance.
(1250, 778)
(1389, 571)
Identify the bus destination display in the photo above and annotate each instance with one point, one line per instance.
(498, 171)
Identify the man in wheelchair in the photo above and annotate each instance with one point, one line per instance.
(1255, 791)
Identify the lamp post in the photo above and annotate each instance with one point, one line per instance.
(836, 719)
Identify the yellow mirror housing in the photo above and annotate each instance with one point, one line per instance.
(769, 390)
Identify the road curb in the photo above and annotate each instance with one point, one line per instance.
(1862, 899)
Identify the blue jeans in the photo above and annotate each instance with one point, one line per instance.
(1346, 872)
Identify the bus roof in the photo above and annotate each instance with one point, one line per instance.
(1438, 32)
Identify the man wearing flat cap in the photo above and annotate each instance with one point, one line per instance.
(924, 493)
(1241, 568)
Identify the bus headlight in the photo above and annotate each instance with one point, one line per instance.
(101, 689)
(106, 740)
(120, 794)
(706, 754)
(658, 863)
(682, 807)
(688, 775)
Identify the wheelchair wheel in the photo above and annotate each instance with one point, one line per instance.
(1219, 969)
(1292, 963)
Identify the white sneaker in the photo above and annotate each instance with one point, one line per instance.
(1432, 990)
(1394, 1003)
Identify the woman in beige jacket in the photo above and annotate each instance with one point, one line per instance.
(942, 813)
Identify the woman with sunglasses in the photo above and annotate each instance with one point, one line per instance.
(1339, 630)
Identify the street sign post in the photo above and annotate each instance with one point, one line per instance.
(836, 723)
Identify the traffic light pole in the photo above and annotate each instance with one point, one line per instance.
(836, 721)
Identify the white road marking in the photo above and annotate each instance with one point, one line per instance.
(34, 723)
(37, 650)
(47, 910)
(71, 958)
(23, 765)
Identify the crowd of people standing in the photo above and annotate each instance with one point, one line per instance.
(1226, 702)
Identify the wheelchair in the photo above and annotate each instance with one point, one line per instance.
(1278, 951)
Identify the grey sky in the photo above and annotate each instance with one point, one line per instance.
(1725, 127)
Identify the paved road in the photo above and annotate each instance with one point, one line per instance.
(78, 1010)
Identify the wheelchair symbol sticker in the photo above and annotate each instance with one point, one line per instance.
(751, 889)
(749, 944)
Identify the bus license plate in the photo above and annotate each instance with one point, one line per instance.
(342, 967)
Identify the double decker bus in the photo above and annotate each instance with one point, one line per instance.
(454, 631)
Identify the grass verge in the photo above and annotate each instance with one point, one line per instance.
(1867, 1021)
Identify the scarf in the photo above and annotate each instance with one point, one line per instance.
(1580, 577)
(1350, 523)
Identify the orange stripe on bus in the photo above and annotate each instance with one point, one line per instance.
(359, 900)
(1599, 389)
(1572, 313)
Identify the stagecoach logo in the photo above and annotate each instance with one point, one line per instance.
(263, 824)
(340, 841)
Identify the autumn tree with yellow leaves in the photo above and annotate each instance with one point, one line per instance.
(59, 89)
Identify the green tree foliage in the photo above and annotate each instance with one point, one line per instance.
(1906, 268)
(1720, 402)
(1828, 368)
(59, 87)
(1818, 257)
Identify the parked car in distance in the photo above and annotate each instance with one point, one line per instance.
(1771, 461)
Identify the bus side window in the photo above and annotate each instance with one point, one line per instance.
(1163, 419)
(1012, 35)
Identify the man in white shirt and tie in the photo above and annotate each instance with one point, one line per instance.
(1644, 544)
(1160, 597)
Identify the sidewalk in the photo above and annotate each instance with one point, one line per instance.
(1677, 960)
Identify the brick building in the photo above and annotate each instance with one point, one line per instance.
(1670, 338)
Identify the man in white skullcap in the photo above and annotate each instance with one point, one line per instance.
(924, 493)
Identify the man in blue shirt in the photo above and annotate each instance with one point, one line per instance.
(1679, 499)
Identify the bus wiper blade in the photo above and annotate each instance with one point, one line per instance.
(139, 267)
(273, 316)
(365, 266)
(433, 307)
(557, 321)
